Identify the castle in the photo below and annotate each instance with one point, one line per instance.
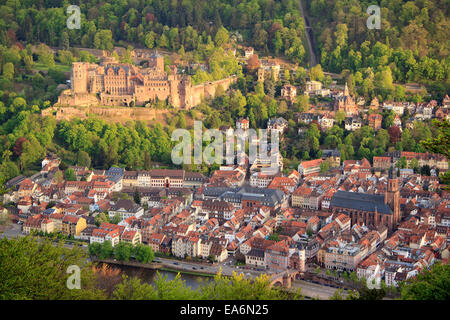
(121, 84)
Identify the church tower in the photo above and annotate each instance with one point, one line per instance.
(392, 198)
(346, 92)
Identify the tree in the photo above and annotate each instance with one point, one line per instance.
(150, 39)
(221, 37)
(134, 289)
(339, 117)
(253, 62)
(316, 73)
(70, 175)
(83, 159)
(122, 251)
(440, 144)
(65, 57)
(324, 166)
(94, 249)
(302, 103)
(274, 237)
(106, 251)
(45, 55)
(137, 196)
(38, 270)
(103, 40)
(143, 253)
(8, 71)
(116, 219)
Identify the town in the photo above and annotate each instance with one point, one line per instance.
(224, 150)
(382, 220)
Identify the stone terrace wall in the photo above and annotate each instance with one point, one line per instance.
(115, 114)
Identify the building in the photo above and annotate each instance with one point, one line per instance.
(277, 256)
(375, 121)
(310, 167)
(126, 209)
(121, 84)
(346, 103)
(242, 123)
(381, 163)
(73, 225)
(371, 209)
(342, 256)
(289, 92)
(131, 236)
(278, 124)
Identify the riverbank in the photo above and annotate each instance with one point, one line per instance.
(158, 266)
(151, 265)
(192, 273)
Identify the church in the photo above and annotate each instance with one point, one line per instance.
(373, 210)
(346, 103)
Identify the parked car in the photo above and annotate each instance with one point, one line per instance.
(194, 268)
(176, 263)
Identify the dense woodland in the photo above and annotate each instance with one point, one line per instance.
(268, 25)
(411, 46)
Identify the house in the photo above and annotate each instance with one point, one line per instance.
(73, 225)
(289, 92)
(375, 121)
(325, 122)
(242, 123)
(353, 124)
(248, 52)
(256, 257)
(277, 256)
(311, 167)
(218, 252)
(277, 124)
(131, 236)
(155, 241)
(126, 208)
(381, 163)
(101, 235)
(260, 179)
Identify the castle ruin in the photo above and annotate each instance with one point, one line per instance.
(119, 84)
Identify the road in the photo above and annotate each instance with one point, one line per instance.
(314, 290)
(309, 39)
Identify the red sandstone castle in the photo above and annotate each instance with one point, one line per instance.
(119, 84)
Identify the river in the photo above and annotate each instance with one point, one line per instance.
(149, 275)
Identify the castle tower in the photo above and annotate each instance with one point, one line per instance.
(79, 77)
(157, 61)
(261, 74)
(392, 197)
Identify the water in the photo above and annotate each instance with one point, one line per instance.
(149, 275)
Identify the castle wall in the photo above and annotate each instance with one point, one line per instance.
(116, 114)
(208, 89)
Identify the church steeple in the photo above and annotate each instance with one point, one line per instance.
(346, 93)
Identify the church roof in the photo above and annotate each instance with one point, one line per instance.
(360, 201)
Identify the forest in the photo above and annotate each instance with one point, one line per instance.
(411, 46)
(268, 25)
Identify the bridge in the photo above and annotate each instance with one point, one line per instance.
(285, 278)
